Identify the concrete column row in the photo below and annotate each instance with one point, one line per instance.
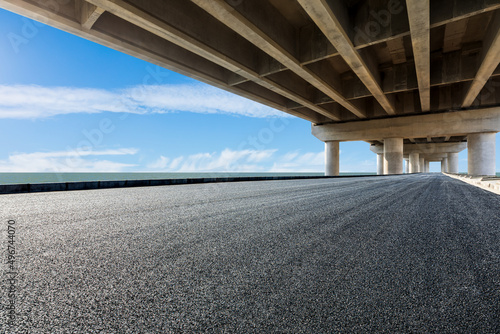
(481, 157)
(415, 163)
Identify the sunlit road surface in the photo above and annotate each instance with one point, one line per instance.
(416, 253)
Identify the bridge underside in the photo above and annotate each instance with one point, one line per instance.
(337, 64)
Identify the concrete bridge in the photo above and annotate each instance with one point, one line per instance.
(418, 79)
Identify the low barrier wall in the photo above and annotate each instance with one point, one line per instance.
(87, 185)
(488, 183)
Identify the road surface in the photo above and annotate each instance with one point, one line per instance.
(415, 253)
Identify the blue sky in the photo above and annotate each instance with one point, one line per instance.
(67, 104)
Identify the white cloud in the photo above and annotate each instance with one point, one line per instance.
(353, 166)
(75, 153)
(161, 163)
(30, 102)
(300, 162)
(242, 161)
(227, 160)
(65, 161)
(175, 163)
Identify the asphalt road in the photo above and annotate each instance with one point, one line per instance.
(401, 254)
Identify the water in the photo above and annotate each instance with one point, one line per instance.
(23, 178)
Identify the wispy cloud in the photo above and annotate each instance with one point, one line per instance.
(31, 102)
(300, 162)
(225, 161)
(66, 161)
(76, 153)
(241, 161)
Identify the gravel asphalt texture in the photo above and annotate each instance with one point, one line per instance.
(398, 254)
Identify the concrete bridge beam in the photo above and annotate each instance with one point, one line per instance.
(427, 148)
(393, 156)
(456, 123)
(435, 156)
(332, 158)
(481, 154)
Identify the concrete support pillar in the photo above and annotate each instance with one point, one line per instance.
(426, 166)
(452, 162)
(380, 163)
(332, 163)
(407, 166)
(444, 165)
(393, 156)
(421, 165)
(414, 162)
(481, 153)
